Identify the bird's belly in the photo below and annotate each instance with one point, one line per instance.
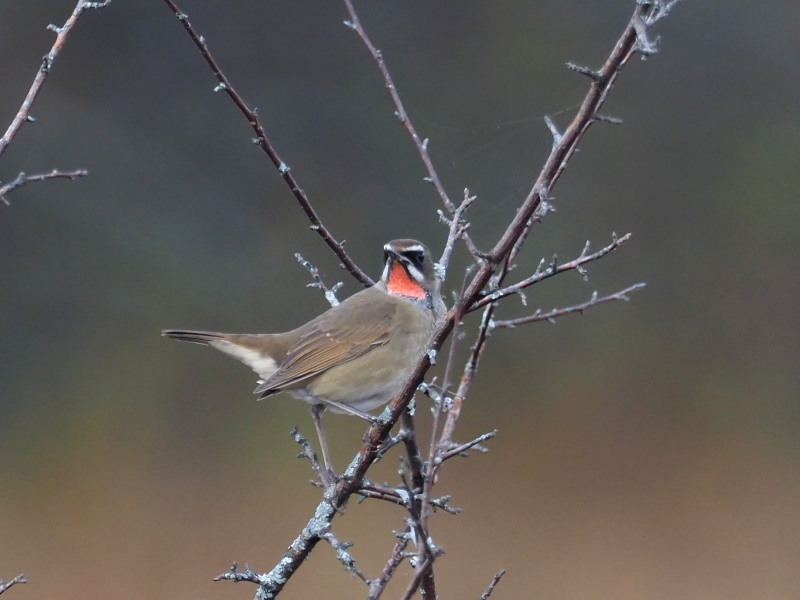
(364, 404)
(362, 389)
(369, 381)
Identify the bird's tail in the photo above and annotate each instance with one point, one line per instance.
(245, 347)
(196, 337)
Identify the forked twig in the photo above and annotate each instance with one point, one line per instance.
(554, 268)
(552, 315)
(330, 292)
(343, 554)
(12, 582)
(23, 179)
(403, 496)
(309, 453)
(62, 33)
(24, 112)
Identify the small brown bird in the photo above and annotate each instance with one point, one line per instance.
(356, 355)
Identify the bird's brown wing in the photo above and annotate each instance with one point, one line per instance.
(343, 333)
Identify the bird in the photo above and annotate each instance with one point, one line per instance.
(355, 356)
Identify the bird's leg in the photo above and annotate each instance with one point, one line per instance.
(350, 410)
(316, 413)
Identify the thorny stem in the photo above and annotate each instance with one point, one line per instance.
(634, 39)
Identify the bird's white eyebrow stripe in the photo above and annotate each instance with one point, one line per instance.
(412, 248)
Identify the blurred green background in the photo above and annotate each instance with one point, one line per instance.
(648, 449)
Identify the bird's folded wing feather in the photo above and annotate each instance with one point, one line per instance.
(328, 343)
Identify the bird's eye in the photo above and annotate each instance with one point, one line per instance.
(416, 257)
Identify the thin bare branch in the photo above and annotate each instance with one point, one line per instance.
(18, 579)
(470, 369)
(400, 112)
(23, 179)
(309, 453)
(501, 258)
(377, 586)
(224, 85)
(421, 572)
(568, 142)
(457, 226)
(403, 496)
(608, 119)
(234, 574)
(413, 456)
(344, 556)
(552, 315)
(441, 406)
(461, 449)
(554, 268)
(590, 73)
(390, 494)
(393, 440)
(427, 551)
(509, 263)
(330, 293)
(48, 60)
(495, 580)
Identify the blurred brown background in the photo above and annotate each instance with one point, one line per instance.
(646, 450)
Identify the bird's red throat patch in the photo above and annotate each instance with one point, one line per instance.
(400, 283)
